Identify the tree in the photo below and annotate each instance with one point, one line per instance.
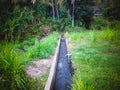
(80, 10)
(73, 7)
(55, 8)
(70, 7)
(14, 18)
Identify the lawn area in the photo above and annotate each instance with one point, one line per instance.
(96, 59)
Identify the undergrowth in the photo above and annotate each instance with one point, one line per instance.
(44, 48)
(14, 57)
(12, 71)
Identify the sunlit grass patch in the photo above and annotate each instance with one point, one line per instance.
(80, 85)
(97, 71)
(44, 48)
(113, 36)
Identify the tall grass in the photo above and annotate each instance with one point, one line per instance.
(12, 72)
(96, 57)
(94, 36)
(110, 35)
(97, 67)
(13, 60)
(44, 48)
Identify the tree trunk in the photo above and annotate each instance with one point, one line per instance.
(69, 15)
(57, 12)
(53, 9)
(73, 14)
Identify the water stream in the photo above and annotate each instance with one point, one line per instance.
(63, 72)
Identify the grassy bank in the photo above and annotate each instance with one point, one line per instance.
(44, 47)
(96, 57)
(14, 57)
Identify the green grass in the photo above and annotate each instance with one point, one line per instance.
(44, 48)
(96, 57)
(12, 71)
(13, 61)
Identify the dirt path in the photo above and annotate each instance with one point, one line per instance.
(39, 68)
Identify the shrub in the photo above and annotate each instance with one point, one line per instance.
(112, 10)
(115, 25)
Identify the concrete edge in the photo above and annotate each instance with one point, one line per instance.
(67, 44)
(68, 52)
(50, 84)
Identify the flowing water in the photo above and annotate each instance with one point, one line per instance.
(63, 72)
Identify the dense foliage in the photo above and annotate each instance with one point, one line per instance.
(19, 18)
(84, 12)
(112, 10)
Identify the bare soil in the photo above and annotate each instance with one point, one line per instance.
(39, 68)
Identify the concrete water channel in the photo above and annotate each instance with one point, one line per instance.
(60, 73)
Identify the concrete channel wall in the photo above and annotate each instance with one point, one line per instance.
(60, 73)
(50, 84)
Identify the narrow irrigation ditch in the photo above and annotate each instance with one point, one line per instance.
(60, 72)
